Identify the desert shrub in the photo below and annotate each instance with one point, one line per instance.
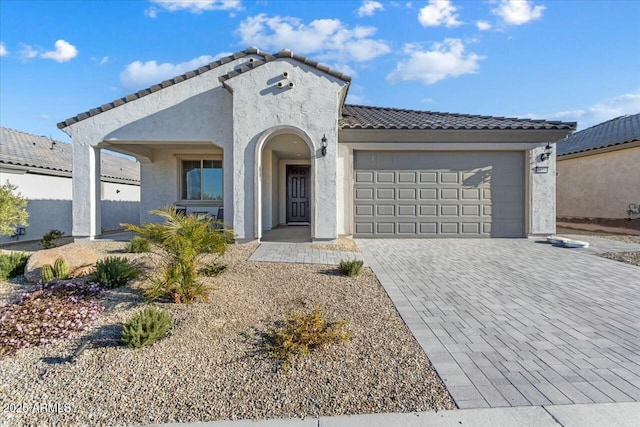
(12, 264)
(186, 239)
(54, 312)
(350, 267)
(138, 245)
(213, 270)
(49, 240)
(146, 327)
(13, 209)
(61, 269)
(301, 332)
(113, 272)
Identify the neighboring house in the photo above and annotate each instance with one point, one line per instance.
(41, 168)
(599, 171)
(269, 139)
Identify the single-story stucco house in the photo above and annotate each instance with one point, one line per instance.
(269, 139)
(41, 168)
(599, 171)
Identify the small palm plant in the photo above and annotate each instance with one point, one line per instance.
(186, 239)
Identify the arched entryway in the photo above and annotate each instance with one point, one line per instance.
(285, 185)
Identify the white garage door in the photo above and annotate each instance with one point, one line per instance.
(438, 194)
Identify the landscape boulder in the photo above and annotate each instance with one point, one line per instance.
(79, 256)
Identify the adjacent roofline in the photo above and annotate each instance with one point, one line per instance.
(190, 74)
(576, 151)
(600, 150)
(527, 124)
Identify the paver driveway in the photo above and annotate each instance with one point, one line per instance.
(514, 322)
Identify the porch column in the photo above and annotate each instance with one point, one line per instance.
(86, 191)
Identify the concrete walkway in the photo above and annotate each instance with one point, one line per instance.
(512, 322)
(299, 253)
(594, 415)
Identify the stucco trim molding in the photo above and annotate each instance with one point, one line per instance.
(264, 138)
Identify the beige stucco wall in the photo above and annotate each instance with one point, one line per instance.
(600, 185)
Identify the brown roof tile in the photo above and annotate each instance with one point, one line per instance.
(190, 74)
(363, 117)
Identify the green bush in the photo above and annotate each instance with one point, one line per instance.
(301, 332)
(138, 245)
(12, 264)
(113, 272)
(146, 327)
(213, 270)
(47, 274)
(13, 209)
(49, 240)
(186, 239)
(61, 269)
(350, 267)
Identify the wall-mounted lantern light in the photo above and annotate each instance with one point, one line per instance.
(323, 145)
(547, 152)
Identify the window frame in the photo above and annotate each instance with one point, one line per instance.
(200, 201)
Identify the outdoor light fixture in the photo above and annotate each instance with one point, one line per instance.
(323, 145)
(547, 152)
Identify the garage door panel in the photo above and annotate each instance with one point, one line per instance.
(408, 228)
(428, 210)
(385, 193)
(449, 178)
(385, 177)
(386, 210)
(428, 193)
(386, 228)
(428, 177)
(406, 177)
(439, 194)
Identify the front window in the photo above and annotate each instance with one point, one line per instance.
(202, 180)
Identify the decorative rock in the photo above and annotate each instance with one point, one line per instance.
(78, 256)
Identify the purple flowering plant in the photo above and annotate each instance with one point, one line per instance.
(56, 311)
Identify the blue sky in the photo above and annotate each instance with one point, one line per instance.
(560, 60)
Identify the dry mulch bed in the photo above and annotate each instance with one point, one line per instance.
(213, 365)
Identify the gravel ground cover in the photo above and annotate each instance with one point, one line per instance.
(626, 257)
(341, 244)
(213, 364)
(632, 258)
(611, 236)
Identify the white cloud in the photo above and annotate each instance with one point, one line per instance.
(326, 39)
(444, 60)
(356, 95)
(142, 74)
(483, 25)
(439, 12)
(369, 7)
(3, 49)
(27, 52)
(101, 61)
(151, 12)
(597, 113)
(518, 12)
(193, 6)
(64, 51)
(344, 69)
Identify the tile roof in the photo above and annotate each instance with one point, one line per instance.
(620, 130)
(363, 117)
(267, 57)
(24, 149)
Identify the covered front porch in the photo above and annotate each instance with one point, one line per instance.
(193, 176)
